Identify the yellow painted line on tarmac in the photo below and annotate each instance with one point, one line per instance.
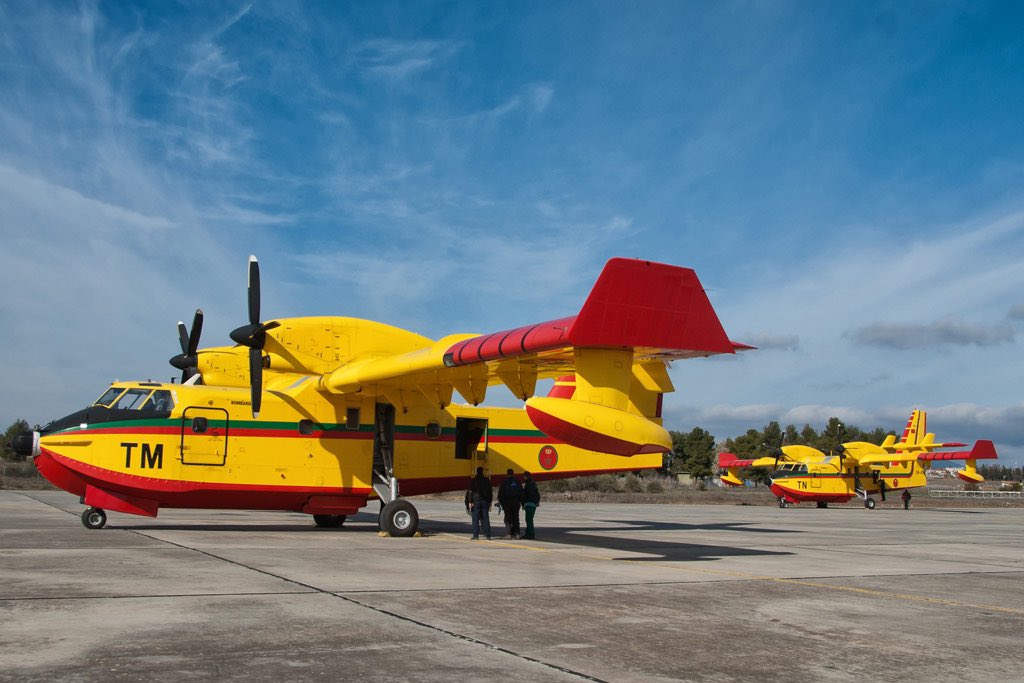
(760, 577)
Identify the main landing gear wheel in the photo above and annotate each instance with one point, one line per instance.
(783, 503)
(822, 504)
(329, 521)
(399, 518)
(94, 518)
(869, 503)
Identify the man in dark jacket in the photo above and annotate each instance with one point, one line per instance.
(531, 499)
(510, 496)
(478, 502)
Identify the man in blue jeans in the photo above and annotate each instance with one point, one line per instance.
(531, 499)
(478, 502)
(510, 497)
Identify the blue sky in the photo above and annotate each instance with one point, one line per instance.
(846, 178)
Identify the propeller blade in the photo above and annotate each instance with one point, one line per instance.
(254, 291)
(193, 335)
(183, 338)
(256, 379)
(187, 361)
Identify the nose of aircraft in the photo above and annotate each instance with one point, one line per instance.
(26, 444)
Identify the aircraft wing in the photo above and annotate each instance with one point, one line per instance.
(729, 460)
(638, 316)
(794, 453)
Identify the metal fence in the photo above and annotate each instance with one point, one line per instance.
(932, 493)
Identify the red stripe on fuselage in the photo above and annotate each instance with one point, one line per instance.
(809, 497)
(73, 476)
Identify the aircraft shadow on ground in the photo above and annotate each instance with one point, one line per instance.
(609, 538)
(601, 537)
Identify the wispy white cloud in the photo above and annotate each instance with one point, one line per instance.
(38, 191)
(398, 60)
(948, 332)
(766, 341)
(540, 95)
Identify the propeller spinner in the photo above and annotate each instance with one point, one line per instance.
(254, 336)
(188, 361)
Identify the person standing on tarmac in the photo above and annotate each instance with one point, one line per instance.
(478, 502)
(510, 496)
(531, 499)
(906, 499)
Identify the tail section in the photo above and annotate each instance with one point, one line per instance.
(982, 450)
(917, 427)
(731, 466)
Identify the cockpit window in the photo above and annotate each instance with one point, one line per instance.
(161, 400)
(108, 396)
(132, 399)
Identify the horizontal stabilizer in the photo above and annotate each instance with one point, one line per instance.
(982, 450)
(730, 460)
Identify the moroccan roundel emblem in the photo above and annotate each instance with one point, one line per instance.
(548, 457)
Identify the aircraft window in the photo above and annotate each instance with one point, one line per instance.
(108, 397)
(132, 399)
(161, 401)
(307, 427)
(352, 418)
(802, 469)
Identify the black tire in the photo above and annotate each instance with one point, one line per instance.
(329, 521)
(783, 503)
(869, 503)
(94, 518)
(822, 504)
(399, 518)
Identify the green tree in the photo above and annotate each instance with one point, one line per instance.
(808, 436)
(699, 453)
(6, 451)
(877, 435)
(771, 438)
(791, 436)
(833, 435)
(747, 446)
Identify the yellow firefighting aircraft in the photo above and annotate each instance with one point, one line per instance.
(321, 414)
(803, 474)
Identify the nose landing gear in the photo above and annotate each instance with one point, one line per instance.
(94, 518)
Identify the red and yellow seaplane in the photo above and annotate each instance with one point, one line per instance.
(321, 414)
(801, 474)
